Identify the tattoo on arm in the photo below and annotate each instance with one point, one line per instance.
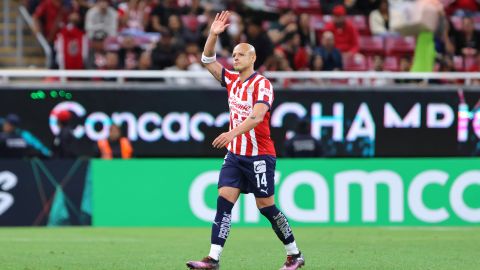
(253, 117)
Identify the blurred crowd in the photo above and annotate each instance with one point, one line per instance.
(288, 35)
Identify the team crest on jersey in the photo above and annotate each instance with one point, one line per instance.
(267, 91)
(260, 166)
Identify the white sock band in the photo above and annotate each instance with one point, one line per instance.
(292, 249)
(215, 252)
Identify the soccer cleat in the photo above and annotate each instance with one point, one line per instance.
(205, 263)
(294, 262)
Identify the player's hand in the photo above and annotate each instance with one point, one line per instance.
(220, 23)
(222, 140)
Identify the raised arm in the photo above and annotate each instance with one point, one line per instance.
(209, 56)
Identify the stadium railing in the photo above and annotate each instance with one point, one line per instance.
(25, 17)
(311, 78)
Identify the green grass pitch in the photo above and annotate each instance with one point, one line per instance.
(247, 248)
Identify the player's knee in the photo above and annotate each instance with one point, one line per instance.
(230, 194)
(264, 202)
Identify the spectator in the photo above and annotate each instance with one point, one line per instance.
(193, 52)
(379, 19)
(181, 35)
(276, 62)
(129, 54)
(133, 15)
(446, 64)
(363, 7)
(101, 18)
(467, 41)
(49, 17)
(443, 42)
(331, 56)
(71, 45)
(145, 61)
(97, 55)
(18, 143)
(378, 62)
(329, 5)
(163, 55)
(65, 143)
(316, 63)
(12, 144)
(160, 15)
(378, 66)
(81, 7)
(307, 35)
(292, 50)
(345, 33)
(235, 31)
(303, 144)
(193, 8)
(116, 146)
(111, 61)
(181, 64)
(462, 7)
(259, 40)
(405, 65)
(286, 24)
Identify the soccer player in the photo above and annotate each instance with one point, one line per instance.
(249, 165)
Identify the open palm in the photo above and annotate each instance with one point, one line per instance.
(220, 23)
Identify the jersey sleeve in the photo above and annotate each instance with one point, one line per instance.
(264, 93)
(228, 77)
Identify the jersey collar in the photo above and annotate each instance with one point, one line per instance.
(251, 76)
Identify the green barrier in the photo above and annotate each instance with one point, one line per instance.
(345, 192)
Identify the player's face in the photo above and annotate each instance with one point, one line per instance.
(242, 59)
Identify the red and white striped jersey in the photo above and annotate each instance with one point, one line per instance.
(241, 99)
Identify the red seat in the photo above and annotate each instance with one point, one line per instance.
(318, 22)
(399, 46)
(306, 6)
(370, 45)
(356, 62)
(278, 4)
(469, 62)
(360, 22)
(458, 63)
(390, 63)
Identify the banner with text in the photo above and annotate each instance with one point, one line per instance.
(173, 123)
(311, 192)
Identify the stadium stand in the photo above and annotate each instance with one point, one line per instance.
(186, 23)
